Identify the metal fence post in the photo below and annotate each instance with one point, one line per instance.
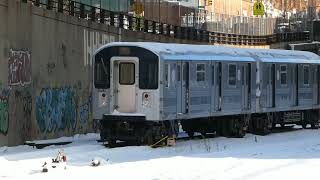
(102, 14)
(175, 31)
(146, 25)
(130, 21)
(82, 11)
(138, 24)
(121, 16)
(37, 3)
(93, 13)
(60, 6)
(154, 27)
(49, 5)
(71, 8)
(111, 18)
(161, 28)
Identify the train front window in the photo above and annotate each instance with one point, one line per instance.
(101, 73)
(148, 74)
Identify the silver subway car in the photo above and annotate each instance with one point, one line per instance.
(142, 91)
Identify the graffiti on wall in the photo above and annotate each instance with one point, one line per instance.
(19, 67)
(56, 109)
(85, 110)
(4, 115)
(92, 41)
(22, 109)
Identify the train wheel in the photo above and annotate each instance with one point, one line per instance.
(112, 143)
(238, 128)
(190, 134)
(203, 134)
(283, 125)
(303, 124)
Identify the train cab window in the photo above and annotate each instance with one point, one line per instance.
(148, 74)
(167, 75)
(126, 73)
(232, 74)
(101, 73)
(201, 73)
(306, 75)
(283, 75)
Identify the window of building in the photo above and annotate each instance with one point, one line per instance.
(283, 75)
(232, 69)
(201, 73)
(306, 75)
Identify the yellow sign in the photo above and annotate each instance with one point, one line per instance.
(258, 9)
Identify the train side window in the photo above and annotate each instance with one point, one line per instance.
(167, 75)
(185, 72)
(179, 73)
(306, 75)
(212, 71)
(283, 75)
(201, 72)
(232, 69)
(101, 73)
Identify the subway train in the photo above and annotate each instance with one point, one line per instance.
(144, 91)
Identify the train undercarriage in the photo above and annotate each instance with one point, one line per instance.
(138, 131)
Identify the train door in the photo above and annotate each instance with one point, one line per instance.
(219, 86)
(125, 79)
(295, 85)
(318, 80)
(271, 85)
(179, 89)
(316, 84)
(213, 95)
(183, 88)
(246, 84)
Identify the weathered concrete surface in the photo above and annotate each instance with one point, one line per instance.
(46, 71)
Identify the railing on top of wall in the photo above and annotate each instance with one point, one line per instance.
(129, 22)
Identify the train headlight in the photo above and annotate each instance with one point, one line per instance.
(146, 99)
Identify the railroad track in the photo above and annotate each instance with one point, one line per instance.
(288, 128)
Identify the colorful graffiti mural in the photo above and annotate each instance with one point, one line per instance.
(19, 67)
(56, 109)
(4, 115)
(85, 111)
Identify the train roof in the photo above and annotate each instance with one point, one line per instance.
(172, 51)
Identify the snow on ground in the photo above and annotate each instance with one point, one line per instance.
(293, 155)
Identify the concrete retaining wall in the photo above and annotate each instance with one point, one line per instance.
(46, 71)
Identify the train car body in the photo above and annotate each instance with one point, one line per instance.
(142, 90)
